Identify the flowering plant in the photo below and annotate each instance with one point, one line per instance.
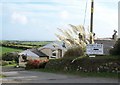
(33, 64)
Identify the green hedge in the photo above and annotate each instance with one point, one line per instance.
(9, 56)
(74, 52)
(57, 64)
(84, 65)
(4, 63)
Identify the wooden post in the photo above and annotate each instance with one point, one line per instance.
(91, 21)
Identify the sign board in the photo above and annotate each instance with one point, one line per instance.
(94, 49)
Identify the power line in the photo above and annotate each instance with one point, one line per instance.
(85, 12)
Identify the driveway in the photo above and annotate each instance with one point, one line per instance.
(23, 76)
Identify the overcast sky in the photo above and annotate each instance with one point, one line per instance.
(39, 19)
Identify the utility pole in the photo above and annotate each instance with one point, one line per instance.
(91, 21)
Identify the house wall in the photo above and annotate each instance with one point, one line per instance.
(107, 45)
(30, 55)
(47, 51)
(59, 54)
(22, 63)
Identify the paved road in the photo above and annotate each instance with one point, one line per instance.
(22, 76)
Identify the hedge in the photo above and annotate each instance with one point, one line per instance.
(74, 52)
(84, 65)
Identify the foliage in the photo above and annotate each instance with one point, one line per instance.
(2, 76)
(84, 65)
(0, 62)
(76, 36)
(8, 63)
(35, 64)
(24, 44)
(23, 47)
(4, 63)
(9, 56)
(35, 43)
(116, 48)
(74, 52)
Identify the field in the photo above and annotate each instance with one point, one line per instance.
(24, 44)
(35, 42)
(12, 46)
(6, 49)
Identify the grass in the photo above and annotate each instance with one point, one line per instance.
(11, 65)
(36, 42)
(81, 74)
(27, 43)
(2, 76)
(7, 49)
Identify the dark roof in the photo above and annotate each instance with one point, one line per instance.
(39, 53)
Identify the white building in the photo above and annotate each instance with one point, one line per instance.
(30, 54)
(54, 50)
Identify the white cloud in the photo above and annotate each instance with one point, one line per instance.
(19, 18)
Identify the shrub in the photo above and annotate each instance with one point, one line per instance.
(35, 64)
(74, 52)
(4, 63)
(9, 56)
(84, 65)
(116, 48)
(58, 64)
(0, 62)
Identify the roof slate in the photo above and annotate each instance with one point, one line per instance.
(39, 53)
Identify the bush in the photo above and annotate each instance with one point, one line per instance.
(35, 64)
(4, 63)
(0, 62)
(116, 48)
(74, 52)
(58, 64)
(84, 65)
(9, 56)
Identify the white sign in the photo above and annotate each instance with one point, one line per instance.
(94, 49)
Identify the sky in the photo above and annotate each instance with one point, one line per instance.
(39, 19)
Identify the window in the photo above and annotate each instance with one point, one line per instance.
(54, 54)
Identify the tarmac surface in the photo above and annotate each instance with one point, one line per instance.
(19, 75)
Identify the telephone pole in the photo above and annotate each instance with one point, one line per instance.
(91, 21)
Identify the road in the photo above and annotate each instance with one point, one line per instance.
(23, 76)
